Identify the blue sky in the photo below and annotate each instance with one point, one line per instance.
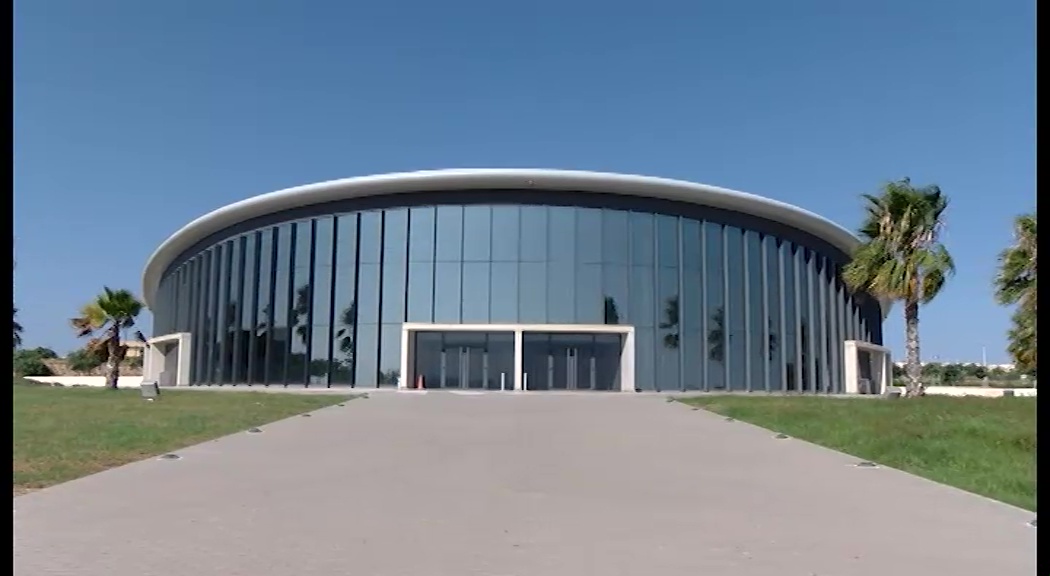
(132, 118)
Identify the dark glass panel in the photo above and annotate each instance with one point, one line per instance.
(773, 313)
(532, 292)
(368, 293)
(321, 323)
(643, 239)
(322, 276)
(324, 232)
(246, 323)
(667, 241)
(644, 359)
(615, 302)
(616, 243)
(588, 236)
(448, 288)
(736, 313)
(211, 297)
(533, 242)
(263, 307)
(303, 243)
(367, 365)
(561, 234)
(344, 306)
(389, 355)
(320, 350)
(370, 237)
(642, 296)
(421, 292)
(219, 312)
(346, 240)
(185, 293)
(301, 312)
(504, 293)
(590, 303)
(421, 235)
(196, 315)
(476, 284)
(395, 238)
(758, 344)
(232, 325)
(820, 324)
(802, 269)
(669, 331)
(449, 233)
(716, 338)
(561, 292)
(692, 251)
(477, 233)
(343, 337)
(690, 310)
(280, 330)
(506, 233)
(792, 348)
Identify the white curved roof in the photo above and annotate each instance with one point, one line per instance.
(481, 179)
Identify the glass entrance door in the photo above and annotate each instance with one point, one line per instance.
(570, 361)
(465, 360)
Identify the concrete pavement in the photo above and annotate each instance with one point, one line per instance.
(514, 484)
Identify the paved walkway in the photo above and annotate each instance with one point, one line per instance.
(527, 485)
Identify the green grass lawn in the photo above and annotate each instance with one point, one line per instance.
(983, 445)
(65, 433)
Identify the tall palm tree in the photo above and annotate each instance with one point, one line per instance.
(1015, 284)
(901, 258)
(103, 320)
(17, 334)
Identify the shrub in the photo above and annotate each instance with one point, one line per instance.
(84, 360)
(30, 365)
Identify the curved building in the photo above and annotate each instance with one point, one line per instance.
(511, 280)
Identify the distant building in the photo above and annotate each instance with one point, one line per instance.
(135, 348)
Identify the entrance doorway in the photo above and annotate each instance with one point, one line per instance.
(465, 360)
(567, 361)
(520, 357)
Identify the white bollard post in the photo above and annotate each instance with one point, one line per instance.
(502, 381)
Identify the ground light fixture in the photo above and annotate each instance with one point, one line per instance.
(866, 464)
(781, 436)
(150, 391)
(170, 456)
(254, 431)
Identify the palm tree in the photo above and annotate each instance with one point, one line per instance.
(103, 320)
(901, 258)
(17, 334)
(1015, 284)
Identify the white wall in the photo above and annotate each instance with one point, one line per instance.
(973, 391)
(99, 381)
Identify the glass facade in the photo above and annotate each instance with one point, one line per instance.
(718, 301)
